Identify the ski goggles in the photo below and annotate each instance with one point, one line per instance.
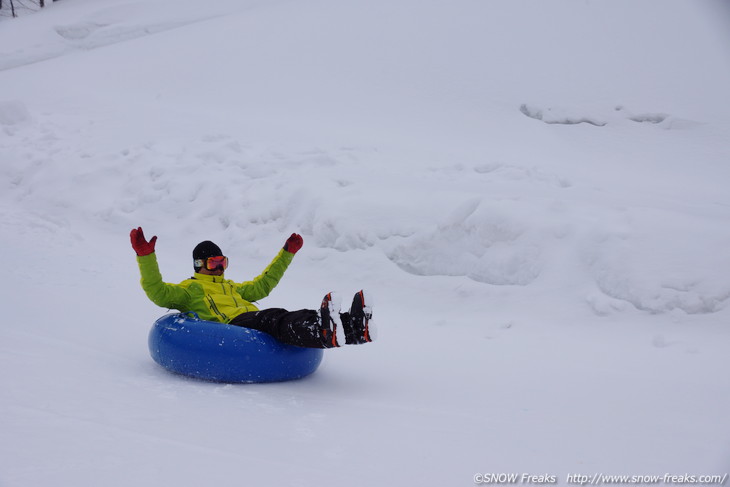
(212, 263)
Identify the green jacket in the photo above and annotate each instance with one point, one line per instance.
(213, 298)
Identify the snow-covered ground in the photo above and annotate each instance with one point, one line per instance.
(535, 192)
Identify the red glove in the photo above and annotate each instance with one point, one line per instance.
(294, 243)
(140, 244)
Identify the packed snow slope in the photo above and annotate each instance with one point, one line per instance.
(535, 192)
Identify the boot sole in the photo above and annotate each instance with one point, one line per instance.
(371, 332)
(334, 304)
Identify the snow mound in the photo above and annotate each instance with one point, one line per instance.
(480, 241)
(13, 113)
(633, 266)
(496, 223)
(600, 116)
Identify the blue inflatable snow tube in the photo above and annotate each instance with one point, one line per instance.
(185, 344)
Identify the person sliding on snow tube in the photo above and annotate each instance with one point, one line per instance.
(215, 298)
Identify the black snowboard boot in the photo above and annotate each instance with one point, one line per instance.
(333, 334)
(359, 325)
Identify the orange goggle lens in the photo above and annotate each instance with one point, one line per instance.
(213, 263)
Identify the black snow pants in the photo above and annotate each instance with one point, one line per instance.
(301, 328)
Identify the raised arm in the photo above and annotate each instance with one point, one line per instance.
(261, 286)
(159, 292)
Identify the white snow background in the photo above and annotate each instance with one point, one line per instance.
(535, 192)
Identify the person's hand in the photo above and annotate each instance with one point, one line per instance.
(294, 243)
(140, 244)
